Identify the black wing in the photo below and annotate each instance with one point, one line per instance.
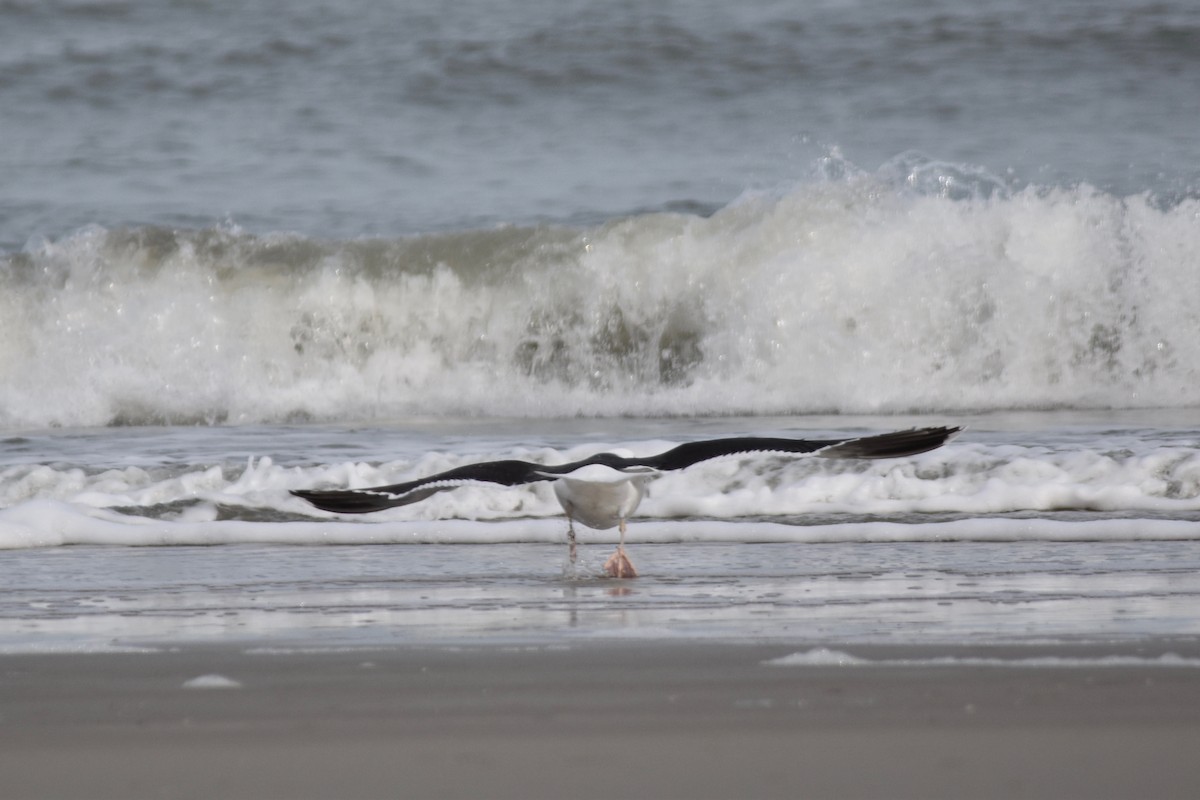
(514, 473)
(377, 498)
(885, 445)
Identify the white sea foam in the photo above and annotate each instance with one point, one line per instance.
(211, 681)
(817, 657)
(37, 643)
(1114, 486)
(823, 657)
(846, 296)
(49, 524)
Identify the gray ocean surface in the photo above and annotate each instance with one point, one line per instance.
(247, 247)
(339, 120)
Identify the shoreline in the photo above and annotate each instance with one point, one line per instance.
(599, 719)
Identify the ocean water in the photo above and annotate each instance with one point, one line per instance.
(1032, 528)
(247, 248)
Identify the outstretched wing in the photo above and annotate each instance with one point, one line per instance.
(514, 473)
(897, 444)
(377, 498)
(885, 445)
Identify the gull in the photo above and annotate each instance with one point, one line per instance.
(603, 490)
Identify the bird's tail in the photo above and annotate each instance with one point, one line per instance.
(891, 445)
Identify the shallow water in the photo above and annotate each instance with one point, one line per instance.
(950, 546)
(90, 598)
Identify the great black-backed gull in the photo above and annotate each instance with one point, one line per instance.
(603, 490)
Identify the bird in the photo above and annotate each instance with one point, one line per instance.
(603, 490)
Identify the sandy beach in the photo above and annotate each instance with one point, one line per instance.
(598, 719)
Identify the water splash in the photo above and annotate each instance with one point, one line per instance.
(927, 289)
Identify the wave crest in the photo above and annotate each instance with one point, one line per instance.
(846, 295)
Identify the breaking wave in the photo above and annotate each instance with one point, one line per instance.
(1121, 488)
(934, 289)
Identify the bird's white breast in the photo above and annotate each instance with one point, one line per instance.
(599, 505)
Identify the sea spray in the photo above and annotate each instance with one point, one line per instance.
(844, 296)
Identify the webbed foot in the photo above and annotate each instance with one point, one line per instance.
(619, 565)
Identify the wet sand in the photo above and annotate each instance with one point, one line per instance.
(600, 719)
